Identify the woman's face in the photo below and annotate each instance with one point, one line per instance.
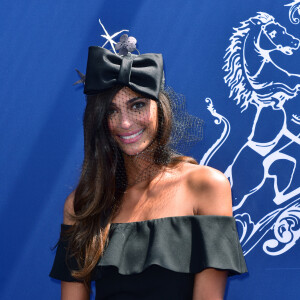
(132, 121)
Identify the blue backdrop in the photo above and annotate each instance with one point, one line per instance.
(243, 82)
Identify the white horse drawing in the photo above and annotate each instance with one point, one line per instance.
(255, 79)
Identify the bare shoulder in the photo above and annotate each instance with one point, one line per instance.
(69, 209)
(210, 190)
(205, 177)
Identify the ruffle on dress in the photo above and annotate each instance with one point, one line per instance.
(186, 244)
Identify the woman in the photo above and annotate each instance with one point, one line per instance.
(144, 222)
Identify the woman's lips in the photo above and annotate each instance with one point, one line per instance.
(127, 139)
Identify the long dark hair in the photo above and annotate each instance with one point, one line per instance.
(98, 194)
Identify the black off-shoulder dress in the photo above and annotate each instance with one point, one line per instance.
(157, 259)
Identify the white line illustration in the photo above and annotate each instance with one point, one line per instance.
(294, 9)
(256, 79)
(218, 120)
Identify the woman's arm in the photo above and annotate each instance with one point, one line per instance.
(210, 284)
(212, 194)
(72, 290)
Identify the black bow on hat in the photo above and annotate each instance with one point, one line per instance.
(142, 73)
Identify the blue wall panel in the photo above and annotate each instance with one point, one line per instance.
(251, 75)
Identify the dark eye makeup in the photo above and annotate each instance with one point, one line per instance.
(134, 103)
(111, 111)
(139, 104)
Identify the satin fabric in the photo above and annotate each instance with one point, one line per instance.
(158, 258)
(142, 73)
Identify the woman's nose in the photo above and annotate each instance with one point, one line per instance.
(126, 121)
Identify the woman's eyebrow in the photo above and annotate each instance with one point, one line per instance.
(129, 101)
(133, 99)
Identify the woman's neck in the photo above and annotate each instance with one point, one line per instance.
(141, 168)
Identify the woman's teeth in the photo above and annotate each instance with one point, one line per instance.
(131, 136)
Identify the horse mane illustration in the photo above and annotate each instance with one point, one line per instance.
(246, 86)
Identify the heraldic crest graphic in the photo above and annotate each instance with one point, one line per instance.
(255, 78)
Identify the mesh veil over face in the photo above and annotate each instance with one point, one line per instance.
(147, 135)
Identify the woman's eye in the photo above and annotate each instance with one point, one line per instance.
(138, 105)
(111, 111)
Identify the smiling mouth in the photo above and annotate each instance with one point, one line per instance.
(128, 137)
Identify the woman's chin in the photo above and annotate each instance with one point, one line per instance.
(133, 150)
